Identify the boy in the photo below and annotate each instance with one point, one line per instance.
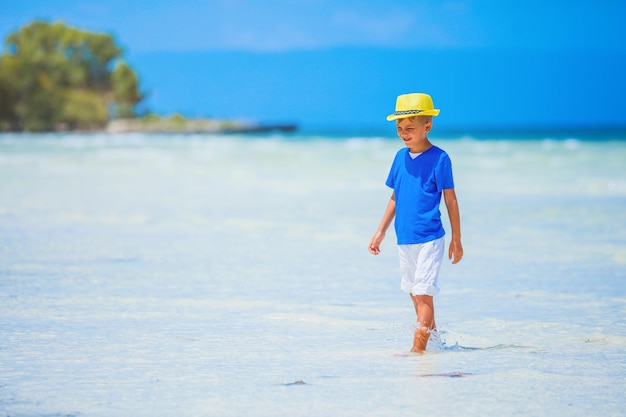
(420, 173)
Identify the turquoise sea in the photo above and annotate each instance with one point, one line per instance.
(209, 275)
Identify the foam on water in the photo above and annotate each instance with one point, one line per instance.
(228, 275)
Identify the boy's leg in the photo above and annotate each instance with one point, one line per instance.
(433, 325)
(425, 310)
(419, 264)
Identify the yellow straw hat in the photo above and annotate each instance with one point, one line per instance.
(414, 104)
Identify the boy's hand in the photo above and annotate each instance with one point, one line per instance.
(456, 251)
(374, 246)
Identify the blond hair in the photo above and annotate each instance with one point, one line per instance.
(422, 119)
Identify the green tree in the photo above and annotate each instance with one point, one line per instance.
(125, 90)
(84, 109)
(8, 95)
(52, 74)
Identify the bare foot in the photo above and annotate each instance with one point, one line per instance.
(420, 340)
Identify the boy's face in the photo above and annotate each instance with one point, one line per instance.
(414, 131)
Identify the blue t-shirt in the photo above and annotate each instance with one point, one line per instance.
(417, 185)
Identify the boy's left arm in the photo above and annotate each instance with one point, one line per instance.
(456, 249)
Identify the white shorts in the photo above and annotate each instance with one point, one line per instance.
(419, 266)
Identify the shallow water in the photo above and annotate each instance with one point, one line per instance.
(228, 275)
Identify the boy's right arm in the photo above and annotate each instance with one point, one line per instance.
(377, 239)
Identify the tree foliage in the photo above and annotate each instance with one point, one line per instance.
(53, 76)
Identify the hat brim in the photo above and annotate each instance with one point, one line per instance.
(394, 116)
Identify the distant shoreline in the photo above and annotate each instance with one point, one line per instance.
(176, 124)
(172, 124)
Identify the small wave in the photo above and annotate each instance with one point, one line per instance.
(458, 348)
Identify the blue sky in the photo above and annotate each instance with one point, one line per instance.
(324, 62)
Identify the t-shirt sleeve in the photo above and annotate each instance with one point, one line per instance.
(392, 173)
(390, 180)
(443, 173)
